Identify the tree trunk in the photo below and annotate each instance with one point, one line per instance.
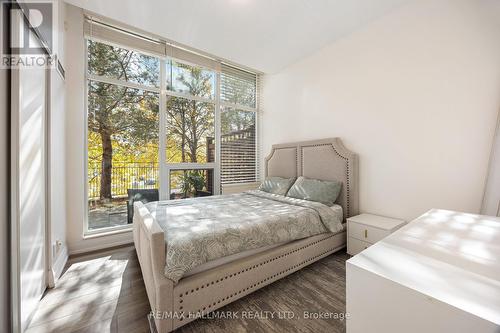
(183, 149)
(194, 134)
(107, 166)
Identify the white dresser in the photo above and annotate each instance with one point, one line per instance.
(438, 273)
(366, 229)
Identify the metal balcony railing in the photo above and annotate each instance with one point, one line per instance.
(123, 177)
(238, 164)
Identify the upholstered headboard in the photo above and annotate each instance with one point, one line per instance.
(326, 159)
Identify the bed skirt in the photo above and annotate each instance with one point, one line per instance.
(174, 305)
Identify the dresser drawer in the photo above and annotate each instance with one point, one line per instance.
(354, 246)
(366, 233)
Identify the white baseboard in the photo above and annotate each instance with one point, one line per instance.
(103, 246)
(60, 262)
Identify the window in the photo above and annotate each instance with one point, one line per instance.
(190, 113)
(168, 120)
(238, 126)
(190, 128)
(122, 130)
(117, 63)
(190, 80)
(238, 142)
(238, 87)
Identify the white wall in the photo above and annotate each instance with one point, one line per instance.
(57, 173)
(414, 93)
(76, 141)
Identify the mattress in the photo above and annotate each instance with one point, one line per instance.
(225, 260)
(201, 230)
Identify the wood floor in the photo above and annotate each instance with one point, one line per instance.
(104, 292)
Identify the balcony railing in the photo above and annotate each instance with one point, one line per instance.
(238, 164)
(123, 177)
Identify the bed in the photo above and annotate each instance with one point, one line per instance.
(178, 296)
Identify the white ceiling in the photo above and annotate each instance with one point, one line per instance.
(266, 35)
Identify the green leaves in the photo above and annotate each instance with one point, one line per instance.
(121, 64)
(192, 181)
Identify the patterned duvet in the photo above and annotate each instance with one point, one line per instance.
(203, 229)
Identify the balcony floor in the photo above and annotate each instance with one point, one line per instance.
(104, 217)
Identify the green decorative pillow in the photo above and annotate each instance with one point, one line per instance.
(322, 191)
(276, 185)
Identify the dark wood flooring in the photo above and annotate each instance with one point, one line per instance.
(104, 292)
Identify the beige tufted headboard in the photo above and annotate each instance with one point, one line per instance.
(326, 159)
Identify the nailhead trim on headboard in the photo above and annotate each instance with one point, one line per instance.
(347, 171)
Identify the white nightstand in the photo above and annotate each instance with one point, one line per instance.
(367, 229)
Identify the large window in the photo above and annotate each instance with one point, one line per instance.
(122, 130)
(155, 122)
(190, 130)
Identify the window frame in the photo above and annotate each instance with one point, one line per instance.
(165, 191)
(164, 167)
(87, 232)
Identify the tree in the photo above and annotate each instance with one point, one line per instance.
(189, 122)
(117, 114)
